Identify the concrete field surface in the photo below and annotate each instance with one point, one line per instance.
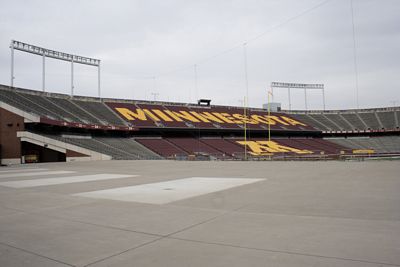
(180, 213)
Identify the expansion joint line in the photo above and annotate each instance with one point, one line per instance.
(168, 235)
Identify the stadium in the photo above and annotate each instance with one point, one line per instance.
(117, 179)
(47, 127)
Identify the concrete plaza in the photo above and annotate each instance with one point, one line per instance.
(263, 214)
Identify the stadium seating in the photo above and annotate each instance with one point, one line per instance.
(162, 147)
(228, 148)
(116, 147)
(81, 114)
(100, 112)
(93, 111)
(384, 144)
(311, 121)
(196, 146)
(23, 102)
(387, 119)
(356, 123)
(340, 123)
(221, 124)
(325, 121)
(373, 119)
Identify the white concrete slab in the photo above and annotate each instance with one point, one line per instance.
(63, 180)
(26, 174)
(169, 191)
(21, 170)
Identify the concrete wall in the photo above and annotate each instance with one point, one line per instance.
(10, 124)
(73, 153)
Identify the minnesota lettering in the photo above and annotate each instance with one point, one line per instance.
(164, 115)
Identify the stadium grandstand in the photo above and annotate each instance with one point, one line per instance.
(46, 127)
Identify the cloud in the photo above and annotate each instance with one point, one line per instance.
(137, 40)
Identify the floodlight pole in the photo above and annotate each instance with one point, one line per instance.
(12, 64)
(72, 77)
(98, 80)
(305, 98)
(245, 128)
(272, 92)
(269, 116)
(303, 86)
(48, 53)
(196, 91)
(44, 73)
(154, 94)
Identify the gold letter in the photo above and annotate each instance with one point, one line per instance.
(130, 115)
(162, 115)
(292, 121)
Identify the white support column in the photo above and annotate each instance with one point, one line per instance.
(12, 65)
(290, 103)
(72, 77)
(305, 97)
(44, 73)
(323, 97)
(196, 91)
(246, 80)
(272, 92)
(98, 81)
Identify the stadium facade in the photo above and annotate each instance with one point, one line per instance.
(45, 127)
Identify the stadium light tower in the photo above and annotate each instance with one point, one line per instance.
(304, 86)
(155, 95)
(44, 52)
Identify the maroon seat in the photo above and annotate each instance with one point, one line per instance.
(161, 147)
(194, 146)
(225, 146)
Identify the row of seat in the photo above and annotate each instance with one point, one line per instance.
(61, 108)
(94, 111)
(222, 148)
(226, 148)
(383, 144)
(352, 121)
(116, 147)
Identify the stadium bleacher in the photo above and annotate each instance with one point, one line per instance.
(116, 147)
(387, 119)
(384, 144)
(162, 147)
(355, 121)
(231, 148)
(351, 120)
(155, 130)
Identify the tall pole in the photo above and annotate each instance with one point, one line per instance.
(154, 83)
(155, 96)
(44, 72)
(323, 97)
(269, 116)
(246, 98)
(72, 77)
(12, 64)
(245, 128)
(272, 93)
(290, 104)
(98, 81)
(196, 91)
(305, 97)
(246, 80)
(354, 53)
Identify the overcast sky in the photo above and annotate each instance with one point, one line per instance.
(305, 41)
